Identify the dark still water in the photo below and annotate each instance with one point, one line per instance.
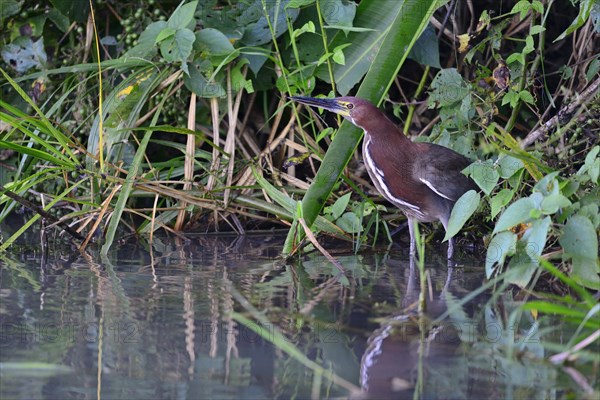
(224, 318)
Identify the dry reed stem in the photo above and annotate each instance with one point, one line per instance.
(188, 166)
(318, 246)
(232, 112)
(214, 166)
(104, 207)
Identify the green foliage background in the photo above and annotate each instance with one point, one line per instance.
(166, 115)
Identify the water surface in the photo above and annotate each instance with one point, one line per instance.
(224, 318)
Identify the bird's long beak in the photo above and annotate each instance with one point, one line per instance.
(332, 105)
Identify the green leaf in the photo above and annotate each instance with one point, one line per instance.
(447, 88)
(238, 81)
(517, 213)
(501, 199)
(74, 10)
(214, 42)
(501, 246)
(338, 55)
(23, 54)
(338, 208)
(521, 7)
(529, 248)
(552, 203)
(463, 209)
(485, 174)
(509, 165)
(39, 154)
(591, 165)
(257, 31)
(585, 272)
(579, 238)
(349, 223)
(529, 45)
(515, 57)
(526, 97)
(427, 50)
(299, 3)
(197, 83)
(60, 20)
(338, 12)
(146, 46)
(593, 68)
(9, 8)
(178, 48)
(308, 27)
(511, 97)
(183, 16)
(537, 6)
(378, 17)
(585, 7)
(536, 29)
(167, 32)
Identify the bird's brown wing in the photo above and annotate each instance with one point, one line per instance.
(441, 170)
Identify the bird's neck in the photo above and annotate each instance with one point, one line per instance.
(381, 128)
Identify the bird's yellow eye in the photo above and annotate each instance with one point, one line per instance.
(349, 106)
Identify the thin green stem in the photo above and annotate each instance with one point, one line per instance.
(412, 107)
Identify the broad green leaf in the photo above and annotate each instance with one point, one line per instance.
(338, 56)
(485, 174)
(403, 33)
(517, 213)
(74, 10)
(349, 223)
(526, 97)
(238, 81)
(377, 16)
(338, 208)
(501, 199)
(178, 48)
(9, 8)
(23, 54)
(447, 88)
(529, 248)
(197, 83)
(509, 165)
(166, 33)
(585, 272)
(536, 29)
(552, 203)
(213, 41)
(594, 66)
(308, 27)
(585, 7)
(299, 3)
(59, 19)
(256, 26)
(146, 46)
(501, 246)
(463, 209)
(427, 50)
(579, 238)
(338, 12)
(548, 185)
(183, 16)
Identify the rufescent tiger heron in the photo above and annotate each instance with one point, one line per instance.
(423, 180)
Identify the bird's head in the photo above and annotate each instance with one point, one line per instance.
(356, 110)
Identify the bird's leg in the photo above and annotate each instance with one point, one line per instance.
(411, 230)
(450, 248)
